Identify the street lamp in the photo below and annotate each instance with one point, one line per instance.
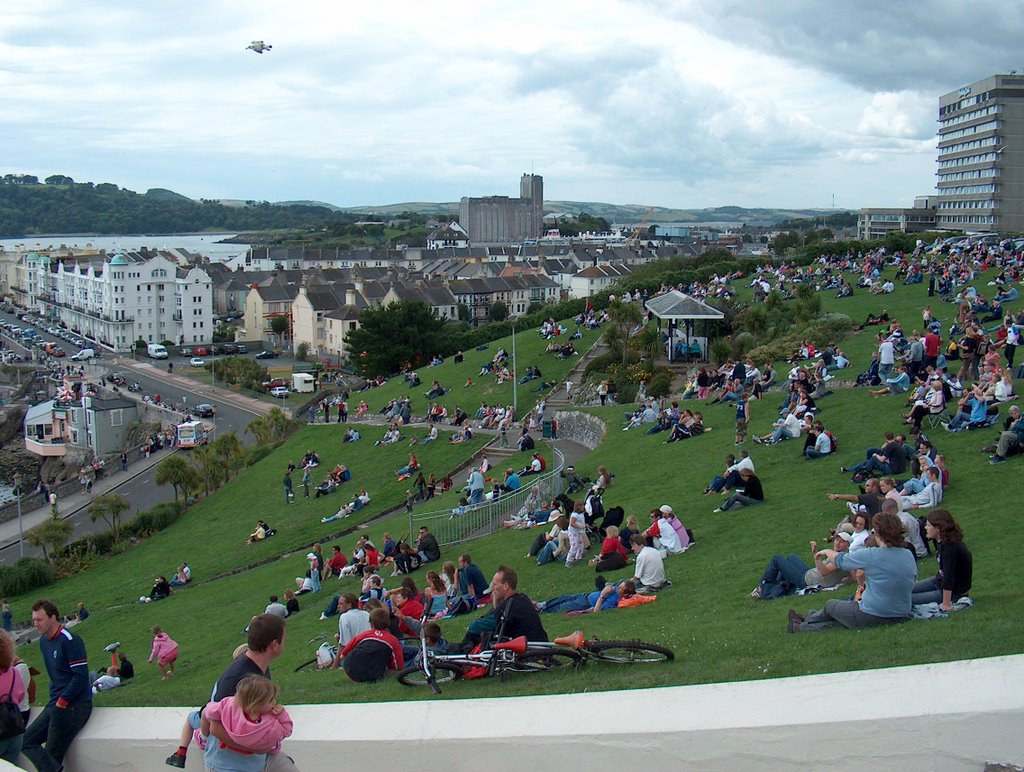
(17, 494)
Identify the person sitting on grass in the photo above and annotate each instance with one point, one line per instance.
(406, 471)
(897, 383)
(788, 428)
(649, 572)
(373, 654)
(360, 501)
(786, 575)
(890, 570)
(956, 565)
(161, 589)
(751, 495)
(109, 680)
(613, 555)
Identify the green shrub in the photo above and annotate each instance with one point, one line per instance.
(660, 384)
(24, 576)
(599, 366)
(257, 453)
(165, 514)
(625, 392)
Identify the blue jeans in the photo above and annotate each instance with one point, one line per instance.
(739, 500)
(914, 485)
(814, 453)
(790, 570)
(547, 554)
(565, 603)
(476, 495)
(48, 737)
(927, 591)
(332, 607)
(884, 371)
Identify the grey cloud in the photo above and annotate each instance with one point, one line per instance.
(876, 45)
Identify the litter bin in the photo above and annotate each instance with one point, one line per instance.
(546, 429)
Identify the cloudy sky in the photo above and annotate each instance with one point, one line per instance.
(685, 103)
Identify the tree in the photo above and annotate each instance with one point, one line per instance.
(647, 342)
(784, 241)
(388, 340)
(50, 534)
(178, 473)
(208, 467)
(109, 507)
(302, 351)
(279, 326)
(625, 316)
(499, 311)
(229, 449)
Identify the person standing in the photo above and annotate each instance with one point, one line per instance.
(289, 496)
(476, 486)
(305, 483)
(63, 652)
(7, 615)
(165, 652)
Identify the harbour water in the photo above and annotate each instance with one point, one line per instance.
(204, 243)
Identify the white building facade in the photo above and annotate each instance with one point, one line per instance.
(120, 299)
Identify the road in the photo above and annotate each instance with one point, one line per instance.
(139, 489)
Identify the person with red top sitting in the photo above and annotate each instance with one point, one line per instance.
(613, 554)
(337, 562)
(371, 655)
(403, 605)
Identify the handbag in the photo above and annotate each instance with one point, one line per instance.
(11, 722)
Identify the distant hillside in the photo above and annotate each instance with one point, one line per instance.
(617, 213)
(61, 205)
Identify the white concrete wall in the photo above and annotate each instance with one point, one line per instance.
(950, 716)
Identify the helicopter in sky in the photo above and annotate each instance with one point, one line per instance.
(258, 46)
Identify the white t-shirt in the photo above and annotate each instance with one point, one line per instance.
(578, 522)
(351, 623)
(650, 567)
(886, 353)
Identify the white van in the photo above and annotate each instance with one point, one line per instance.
(84, 355)
(157, 351)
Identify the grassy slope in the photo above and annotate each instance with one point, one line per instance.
(717, 632)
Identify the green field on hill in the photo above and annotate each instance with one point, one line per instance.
(718, 632)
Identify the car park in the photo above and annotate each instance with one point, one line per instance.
(204, 410)
(196, 362)
(266, 355)
(280, 392)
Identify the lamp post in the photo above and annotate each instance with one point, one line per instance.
(515, 375)
(17, 495)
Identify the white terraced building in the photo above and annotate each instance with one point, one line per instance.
(119, 299)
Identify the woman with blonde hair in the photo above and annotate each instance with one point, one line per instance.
(12, 689)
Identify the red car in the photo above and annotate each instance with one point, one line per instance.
(201, 351)
(274, 383)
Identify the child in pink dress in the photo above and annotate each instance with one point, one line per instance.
(165, 652)
(253, 721)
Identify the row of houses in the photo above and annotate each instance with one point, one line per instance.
(158, 295)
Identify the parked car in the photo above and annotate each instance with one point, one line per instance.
(204, 410)
(281, 392)
(273, 383)
(186, 352)
(201, 351)
(242, 348)
(196, 362)
(228, 348)
(266, 355)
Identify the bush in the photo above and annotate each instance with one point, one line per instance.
(599, 366)
(660, 384)
(625, 393)
(257, 453)
(26, 575)
(302, 351)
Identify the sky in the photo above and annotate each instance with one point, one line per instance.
(676, 103)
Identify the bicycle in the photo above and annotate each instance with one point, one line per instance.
(521, 656)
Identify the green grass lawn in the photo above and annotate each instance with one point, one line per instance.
(530, 350)
(717, 632)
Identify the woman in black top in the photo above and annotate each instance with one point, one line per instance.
(955, 563)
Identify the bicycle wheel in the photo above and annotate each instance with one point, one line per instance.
(441, 671)
(533, 660)
(629, 652)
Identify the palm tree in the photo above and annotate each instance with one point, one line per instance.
(49, 533)
(173, 471)
(109, 507)
(262, 430)
(279, 422)
(647, 342)
(208, 466)
(625, 316)
(230, 450)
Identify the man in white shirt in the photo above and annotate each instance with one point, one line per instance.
(649, 573)
(352, 622)
(787, 428)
